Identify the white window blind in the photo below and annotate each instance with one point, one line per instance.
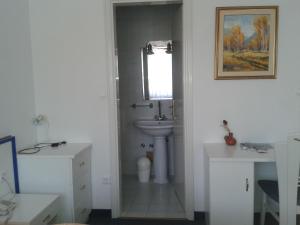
(160, 74)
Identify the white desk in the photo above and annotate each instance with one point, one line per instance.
(35, 209)
(229, 183)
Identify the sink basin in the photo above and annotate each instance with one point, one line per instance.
(156, 128)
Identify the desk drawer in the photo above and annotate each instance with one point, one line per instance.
(82, 211)
(82, 190)
(49, 215)
(82, 164)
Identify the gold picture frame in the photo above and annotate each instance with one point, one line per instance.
(246, 42)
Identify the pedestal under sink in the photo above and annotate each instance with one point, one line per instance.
(159, 130)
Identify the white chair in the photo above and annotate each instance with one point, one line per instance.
(280, 198)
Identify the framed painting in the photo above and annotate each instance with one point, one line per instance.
(246, 42)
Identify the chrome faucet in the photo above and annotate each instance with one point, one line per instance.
(160, 116)
(159, 109)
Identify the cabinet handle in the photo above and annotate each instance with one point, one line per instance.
(82, 164)
(46, 219)
(247, 184)
(82, 187)
(296, 139)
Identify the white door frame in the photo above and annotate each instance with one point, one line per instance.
(187, 96)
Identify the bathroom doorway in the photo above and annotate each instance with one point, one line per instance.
(150, 55)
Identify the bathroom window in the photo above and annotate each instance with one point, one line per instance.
(157, 70)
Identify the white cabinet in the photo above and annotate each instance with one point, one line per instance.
(231, 193)
(65, 170)
(35, 209)
(229, 183)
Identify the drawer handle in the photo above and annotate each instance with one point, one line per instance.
(247, 184)
(82, 187)
(83, 211)
(297, 139)
(47, 218)
(82, 164)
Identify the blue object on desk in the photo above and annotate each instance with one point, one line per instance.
(12, 139)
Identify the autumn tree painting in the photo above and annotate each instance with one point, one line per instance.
(246, 43)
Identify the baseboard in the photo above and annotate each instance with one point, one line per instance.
(199, 216)
(106, 213)
(103, 213)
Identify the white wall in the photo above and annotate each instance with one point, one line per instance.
(68, 47)
(135, 27)
(16, 79)
(68, 42)
(257, 110)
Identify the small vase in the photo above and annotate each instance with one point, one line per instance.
(229, 139)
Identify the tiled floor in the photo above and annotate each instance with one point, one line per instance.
(149, 200)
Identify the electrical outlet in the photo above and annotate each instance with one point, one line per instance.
(106, 180)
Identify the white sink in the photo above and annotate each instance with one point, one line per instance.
(155, 128)
(159, 130)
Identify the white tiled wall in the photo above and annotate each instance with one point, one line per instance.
(134, 29)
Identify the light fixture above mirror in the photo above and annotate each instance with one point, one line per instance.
(169, 48)
(149, 49)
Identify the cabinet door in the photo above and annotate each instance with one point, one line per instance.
(231, 188)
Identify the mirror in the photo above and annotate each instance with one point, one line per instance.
(157, 70)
